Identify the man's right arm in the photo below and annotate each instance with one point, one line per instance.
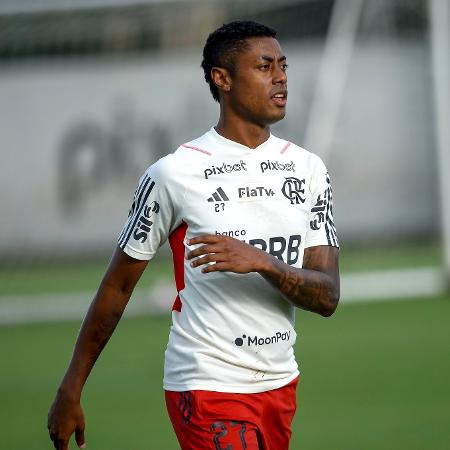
(66, 416)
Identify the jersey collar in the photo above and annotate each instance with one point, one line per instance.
(223, 141)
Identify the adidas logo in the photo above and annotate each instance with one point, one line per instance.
(219, 196)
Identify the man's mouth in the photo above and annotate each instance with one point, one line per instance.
(280, 98)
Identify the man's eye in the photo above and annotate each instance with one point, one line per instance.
(265, 67)
(284, 67)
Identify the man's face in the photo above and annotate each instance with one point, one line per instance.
(258, 90)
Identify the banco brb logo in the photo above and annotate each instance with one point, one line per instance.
(293, 190)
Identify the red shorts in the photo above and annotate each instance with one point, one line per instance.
(207, 420)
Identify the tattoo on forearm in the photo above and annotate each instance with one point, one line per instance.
(306, 293)
(290, 284)
(308, 289)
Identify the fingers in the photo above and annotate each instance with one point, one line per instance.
(203, 250)
(205, 239)
(218, 267)
(225, 253)
(63, 444)
(213, 244)
(59, 444)
(79, 437)
(210, 258)
(64, 418)
(53, 438)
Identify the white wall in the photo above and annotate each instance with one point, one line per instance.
(140, 108)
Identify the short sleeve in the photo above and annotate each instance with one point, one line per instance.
(320, 227)
(152, 216)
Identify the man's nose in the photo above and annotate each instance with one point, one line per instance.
(280, 76)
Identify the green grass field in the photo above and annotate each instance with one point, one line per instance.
(375, 376)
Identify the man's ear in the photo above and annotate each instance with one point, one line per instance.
(221, 78)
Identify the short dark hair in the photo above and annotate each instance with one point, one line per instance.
(224, 43)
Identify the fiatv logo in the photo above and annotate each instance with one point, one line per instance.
(225, 168)
(258, 341)
(277, 165)
(257, 191)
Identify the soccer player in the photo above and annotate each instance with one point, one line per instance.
(249, 220)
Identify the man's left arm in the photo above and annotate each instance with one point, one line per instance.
(315, 287)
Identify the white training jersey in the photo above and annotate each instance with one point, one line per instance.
(231, 332)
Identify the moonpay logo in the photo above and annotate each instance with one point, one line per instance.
(260, 340)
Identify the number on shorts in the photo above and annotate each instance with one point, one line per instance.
(221, 431)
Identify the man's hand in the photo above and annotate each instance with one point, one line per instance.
(228, 254)
(65, 418)
(314, 287)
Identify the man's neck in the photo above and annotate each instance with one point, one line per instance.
(245, 133)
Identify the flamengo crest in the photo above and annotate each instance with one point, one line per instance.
(294, 190)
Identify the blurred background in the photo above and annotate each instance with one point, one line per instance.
(92, 92)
